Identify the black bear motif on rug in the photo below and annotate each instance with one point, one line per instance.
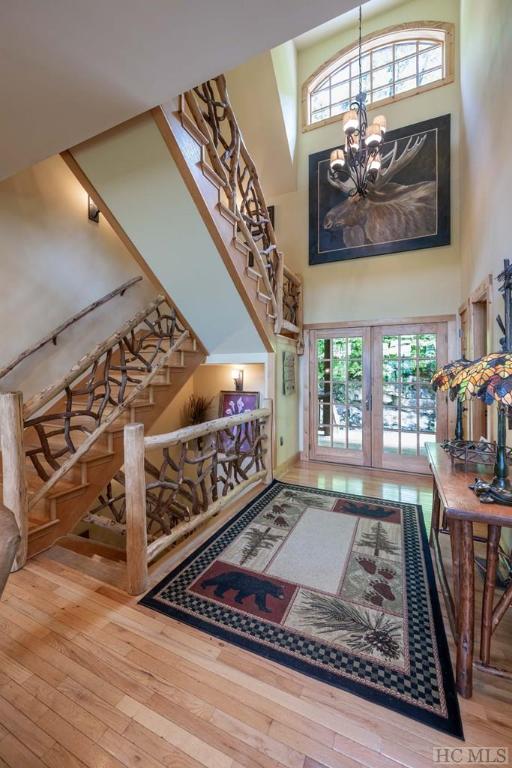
(244, 585)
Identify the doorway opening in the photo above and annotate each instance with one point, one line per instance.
(371, 403)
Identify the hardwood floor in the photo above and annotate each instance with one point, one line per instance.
(88, 678)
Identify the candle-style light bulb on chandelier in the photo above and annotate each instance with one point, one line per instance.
(360, 156)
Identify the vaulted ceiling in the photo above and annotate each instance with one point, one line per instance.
(72, 69)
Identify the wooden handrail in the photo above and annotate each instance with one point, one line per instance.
(38, 401)
(52, 336)
(189, 486)
(186, 434)
(291, 275)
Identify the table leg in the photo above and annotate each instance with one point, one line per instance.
(489, 586)
(455, 542)
(436, 509)
(466, 620)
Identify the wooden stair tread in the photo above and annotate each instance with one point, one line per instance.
(60, 489)
(160, 384)
(100, 568)
(139, 400)
(95, 451)
(253, 273)
(39, 525)
(91, 548)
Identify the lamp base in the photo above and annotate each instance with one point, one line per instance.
(498, 491)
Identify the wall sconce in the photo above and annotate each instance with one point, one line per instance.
(92, 210)
(238, 378)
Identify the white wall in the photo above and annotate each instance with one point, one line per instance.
(54, 262)
(132, 169)
(486, 57)
(209, 380)
(287, 407)
(258, 106)
(71, 70)
(422, 282)
(284, 59)
(486, 155)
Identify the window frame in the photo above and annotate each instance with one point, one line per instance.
(439, 31)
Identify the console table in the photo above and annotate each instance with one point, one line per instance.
(462, 509)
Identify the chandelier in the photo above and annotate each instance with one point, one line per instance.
(360, 156)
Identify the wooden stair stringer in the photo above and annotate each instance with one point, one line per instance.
(187, 152)
(63, 518)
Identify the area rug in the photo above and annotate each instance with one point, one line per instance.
(336, 586)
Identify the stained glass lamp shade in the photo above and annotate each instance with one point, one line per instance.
(490, 379)
(497, 389)
(442, 380)
(469, 380)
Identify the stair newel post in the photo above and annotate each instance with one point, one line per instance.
(279, 293)
(300, 316)
(136, 535)
(268, 443)
(15, 495)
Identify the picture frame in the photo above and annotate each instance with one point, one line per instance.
(233, 403)
(289, 372)
(408, 210)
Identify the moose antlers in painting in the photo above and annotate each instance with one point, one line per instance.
(407, 207)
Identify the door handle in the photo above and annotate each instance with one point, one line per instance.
(368, 403)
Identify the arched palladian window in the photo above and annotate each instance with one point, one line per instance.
(396, 62)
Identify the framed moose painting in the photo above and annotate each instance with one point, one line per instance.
(408, 206)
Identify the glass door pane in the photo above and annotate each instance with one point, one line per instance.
(406, 414)
(341, 410)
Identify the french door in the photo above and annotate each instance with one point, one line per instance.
(371, 400)
(341, 413)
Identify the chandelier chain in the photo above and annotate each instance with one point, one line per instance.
(359, 158)
(360, 49)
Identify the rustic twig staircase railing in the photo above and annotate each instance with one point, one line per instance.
(45, 439)
(207, 107)
(53, 335)
(134, 355)
(193, 473)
